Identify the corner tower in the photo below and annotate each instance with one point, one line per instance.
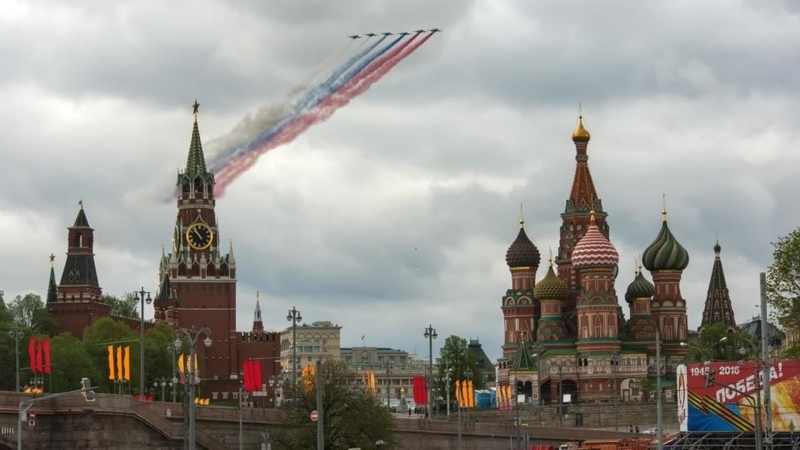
(76, 303)
(201, 278)
(718, 306)
(582, 200)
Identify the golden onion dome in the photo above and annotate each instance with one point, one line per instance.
(580, 134)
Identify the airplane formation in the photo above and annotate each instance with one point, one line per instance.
(387, 33)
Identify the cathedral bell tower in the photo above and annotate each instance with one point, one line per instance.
(201, 280)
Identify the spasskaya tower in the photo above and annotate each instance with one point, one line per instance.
(198, 281)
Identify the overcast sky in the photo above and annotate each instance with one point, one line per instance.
(397, 212)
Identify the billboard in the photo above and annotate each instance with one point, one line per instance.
(729, 403)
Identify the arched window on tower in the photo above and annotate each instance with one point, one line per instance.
(77, 241)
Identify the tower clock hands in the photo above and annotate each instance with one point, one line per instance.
(197, 233)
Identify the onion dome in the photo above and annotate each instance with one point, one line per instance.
(639, 288)
(594, 249)
(550, 287)
(522, 252)
(580, 134)
(665, 253)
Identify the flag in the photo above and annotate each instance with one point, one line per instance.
(39, 362)
(458, 392)
(257, 380)
(247, 367)
(196, 370)
(127, 361)
(120, 371)
(471, 392)
(111, 363)
(32, 353)
(181, 369)
(47, 356)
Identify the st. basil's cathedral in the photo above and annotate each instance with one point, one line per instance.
(569, 329)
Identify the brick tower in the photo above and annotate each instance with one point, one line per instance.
(198, 281)
(575, 221)
(718, 306)
(520, 308)
(76, 304)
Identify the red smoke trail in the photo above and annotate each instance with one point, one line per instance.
(323, 111)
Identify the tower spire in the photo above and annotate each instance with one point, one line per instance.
(52, 288)
(195, 161)
(258, 325)
(718, 307)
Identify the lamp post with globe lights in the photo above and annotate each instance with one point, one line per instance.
(294, 317)
(16, 335)
(430, 335)
(192, 336)
(174, 348)
(141, 297)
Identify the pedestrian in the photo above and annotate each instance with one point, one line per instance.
(637, 428)
(409, 412)
(630, 429)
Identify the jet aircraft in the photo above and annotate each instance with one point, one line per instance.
(404, 33)
(435, 30)
(370, 34)
(420, 31)
(386, 33)
(355, 36)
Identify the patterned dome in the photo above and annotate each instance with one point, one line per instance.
(665, 253)
(522, 252)
(594, 250)
(639, 288)
(550, 287)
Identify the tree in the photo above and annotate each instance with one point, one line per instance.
(456, 357)
(125, 306)
(783, 284)
(30, 312)
(96, 340)
(717, 342)
(645, 386)
(352, 418)
(70, 363)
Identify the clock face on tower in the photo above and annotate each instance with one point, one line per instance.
(199, 236)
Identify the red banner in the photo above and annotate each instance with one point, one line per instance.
(39, 358)
(420, 390)
(257, 380)
(727, 404)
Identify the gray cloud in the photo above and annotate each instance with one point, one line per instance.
(396, 212)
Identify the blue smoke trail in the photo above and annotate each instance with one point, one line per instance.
(310, 102)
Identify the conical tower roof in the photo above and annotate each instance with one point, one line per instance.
(718, 307)
(523, 362)
(80, 219)
(52, 287)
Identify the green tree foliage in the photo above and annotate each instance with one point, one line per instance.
(125, 306)
(351, 419)
(783, 283)
(456, 357)
(5, 315)
(70, 362)
(30, 312)
(717, 342)
(158, 344)
(96, 339)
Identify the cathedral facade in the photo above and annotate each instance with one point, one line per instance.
(566, 336)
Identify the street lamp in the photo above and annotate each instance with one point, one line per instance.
(705, 351)
(759, 384)
(560, 363)
(447, 388)
(538, 349)
(141, 297)
(614, 360)
(16, 335)
(659, 419)
(192, 336)
(430, 335)
(276, 382)
(294, 317)
(162, 382)
(174, 348)
(388, 384)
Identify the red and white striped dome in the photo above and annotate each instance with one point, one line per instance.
(594, 250)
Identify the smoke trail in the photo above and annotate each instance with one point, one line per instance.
(313, 99)
(355, 87)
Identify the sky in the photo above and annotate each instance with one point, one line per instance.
(396, 213)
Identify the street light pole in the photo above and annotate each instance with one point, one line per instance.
(16, 335)
(175, 347)
(430, 334)
(614, 359)
(192, 336)
(388, 384)
(294, 317)
(560, 363)
(141, 297)
(538, 348)
(447, 388)
(659, 420)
